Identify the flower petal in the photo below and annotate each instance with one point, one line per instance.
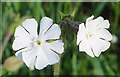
(93, 24)
(57, 46)
(20, 43)
(51, 55)
(31, 26)
(85, 46)
(89, 19)
(41, 60)
(104, 24)
(81, 33)
(99, 45)
(45, 57)
(104, 34)
(45, 24)
(22, 38)
(21, 32)
(19, 55)
(29, 57)
(53, 33)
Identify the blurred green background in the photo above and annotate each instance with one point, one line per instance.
(72, 61)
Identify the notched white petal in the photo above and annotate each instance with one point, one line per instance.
(45, 24)
(31, 26)
(103, 33)
(99, 45)
(20, 32)
(81, 33)
(96, 52)
(104, 24)
(21, 42)
(99, 19)
(57, 46)
(29, 57)
(93, 24)
(53, 33)
(22, 38)
(41, 60)
(19, 55)
(19, 52)
(51, 55)
(90, 18)
(85, 46)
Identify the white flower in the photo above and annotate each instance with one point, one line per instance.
(93, 38)
(37, 50)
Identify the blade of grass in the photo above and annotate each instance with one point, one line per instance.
(59, 8)
(99, 8)
(97, 67)
(116, 17)
(107, 69)
(38, 11)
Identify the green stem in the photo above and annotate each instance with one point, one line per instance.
(56, 69)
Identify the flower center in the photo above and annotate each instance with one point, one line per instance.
(38, 42)
(89, 35)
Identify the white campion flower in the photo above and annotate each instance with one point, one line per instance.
(93, 37)
(37, 50)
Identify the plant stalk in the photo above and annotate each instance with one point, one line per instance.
(56, 69)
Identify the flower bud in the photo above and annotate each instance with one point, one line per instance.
(114, 39)
(12, 64)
